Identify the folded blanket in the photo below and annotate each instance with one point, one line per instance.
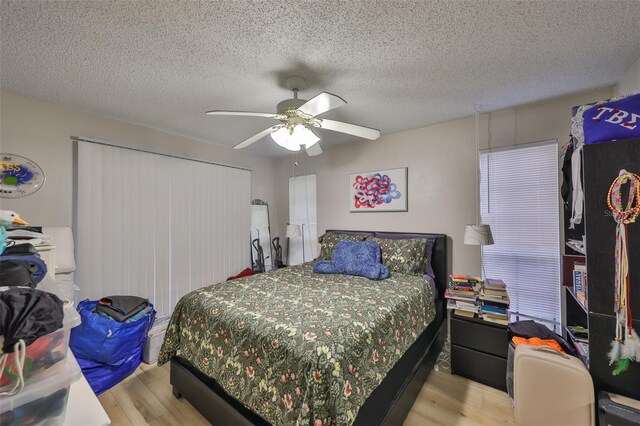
(121, 308)
(142, 314)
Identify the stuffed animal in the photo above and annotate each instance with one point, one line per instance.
(8, 218)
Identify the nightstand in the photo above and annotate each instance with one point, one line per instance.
(479, 350)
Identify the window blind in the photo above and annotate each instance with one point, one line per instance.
(303, 212)
(519, 199)
(157, 226)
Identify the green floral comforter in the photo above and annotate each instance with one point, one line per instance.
(298, 347)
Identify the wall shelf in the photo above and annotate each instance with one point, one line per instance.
(581, 304)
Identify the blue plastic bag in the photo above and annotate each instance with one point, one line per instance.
(106, 341)
(103, 377)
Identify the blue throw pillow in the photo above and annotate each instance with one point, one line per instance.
(357, 251)
(329, 267)
(360, 258)
(371, 271)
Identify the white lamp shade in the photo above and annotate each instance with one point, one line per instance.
(299, 135)
(283, 138)
(305, 135)
(293, 231)
(478, 235)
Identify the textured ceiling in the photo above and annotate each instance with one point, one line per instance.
(399, 64)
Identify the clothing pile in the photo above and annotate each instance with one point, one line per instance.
(26, 314)
(123, 308)
(21, 266)
(108, 344)
(600, 122)
(28, 235)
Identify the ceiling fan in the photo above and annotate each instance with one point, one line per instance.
(297, 119)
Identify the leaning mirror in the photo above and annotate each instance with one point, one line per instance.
(260, 236)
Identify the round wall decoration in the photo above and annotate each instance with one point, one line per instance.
(19, 176)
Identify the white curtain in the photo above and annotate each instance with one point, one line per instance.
(519, 199)
(157, 226)
(303, 212)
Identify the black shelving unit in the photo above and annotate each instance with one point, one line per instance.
(576, 315)
(602, 164)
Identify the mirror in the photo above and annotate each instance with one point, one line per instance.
(261, 257)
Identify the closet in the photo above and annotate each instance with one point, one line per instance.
(602, 164)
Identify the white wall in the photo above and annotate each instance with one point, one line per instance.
(442, 166)
(630, 81)
(441, 161)
(41, 131)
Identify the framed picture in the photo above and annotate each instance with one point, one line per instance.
(378, 191)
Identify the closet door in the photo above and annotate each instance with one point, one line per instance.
(303, 212)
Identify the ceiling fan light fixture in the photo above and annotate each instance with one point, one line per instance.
(305, 135)
(310, 144)
(297, 118)
(291, 140)
(285, 139)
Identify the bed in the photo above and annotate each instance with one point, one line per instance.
(294, 347)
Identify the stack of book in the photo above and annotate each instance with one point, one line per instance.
(494, 301)
(580, 282)
(462, 295)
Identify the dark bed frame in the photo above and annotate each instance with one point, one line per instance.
(387, 405)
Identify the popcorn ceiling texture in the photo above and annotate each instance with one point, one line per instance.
(399, 64)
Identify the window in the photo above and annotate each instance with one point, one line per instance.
(302, 212)
(519, 199)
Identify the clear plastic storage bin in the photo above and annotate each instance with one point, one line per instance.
(46, 356)
(155, 337)
(42, 403)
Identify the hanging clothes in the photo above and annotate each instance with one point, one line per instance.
(577, 199)
(567, 185)
(607, 121)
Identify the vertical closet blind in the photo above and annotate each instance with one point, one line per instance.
(519, 199)
(303, 212)
(157, 226)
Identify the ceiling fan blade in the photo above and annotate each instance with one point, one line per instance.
(314, 150)
(351, 129)
(322, 103)
(257, 137)
(247, 114)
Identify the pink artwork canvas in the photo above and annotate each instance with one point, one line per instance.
(381, 190)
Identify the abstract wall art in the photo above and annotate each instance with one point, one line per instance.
(378, 191)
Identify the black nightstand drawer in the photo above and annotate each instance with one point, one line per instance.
(480, 367)
(480, 335)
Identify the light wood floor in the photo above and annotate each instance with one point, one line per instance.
(145, 398)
